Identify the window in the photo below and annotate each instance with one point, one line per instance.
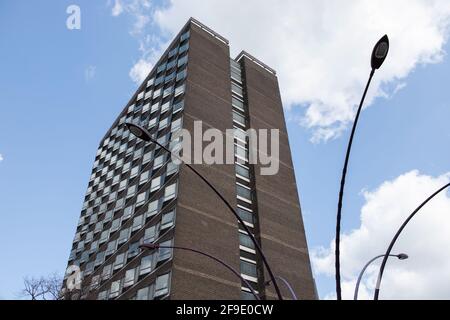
(184, 36)
(102, 295)
(144, 177)
(115, 289)
(108, 216)
(240, 134)
(163, 123)
(123, 236)
(179, 90)
(243, 192)
(146, 265)
(133, 250)
(147, 157)
(158, 92)
(178, 107)
(145, 293)
(163, 139)
(168, 91)
(237, 103)
(100, 258)
(166, 105)
(182, 61)
(249, 269)
(94, 247)
(151, 234)
(236, 89)
(120, 203)
(237, 117)
(247, 295)
(137, 223)
(111, 247)
(245, 215)
(115, 225)
(171, 54)
(127, 212)
(155, 107)
(177, 125)
(171, 168)
(165, 253)
(134, 171)
(129, 278)
(106, 273)
(162, 285)
(156, 184)
(119, 262)
(170, 192)
(95, 282)
(89, 268)
(183, 48)
(104, 236)
(242, 171)
(161, 68)
(167, 220)
(159, 161)
(98, 227)
(181, 75)
(246, 241)
(153, 208)
(141, 198)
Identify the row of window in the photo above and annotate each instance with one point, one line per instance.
(138, 221)
(248, 264)
(122, 167)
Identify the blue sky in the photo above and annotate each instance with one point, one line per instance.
(61, 90)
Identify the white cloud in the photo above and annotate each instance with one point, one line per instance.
(1, 157)
(140, 10)
(321, 49)
(117, 9)
(426, 274)
(89, 73)
(140, 70)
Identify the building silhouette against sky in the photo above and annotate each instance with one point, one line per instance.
(137, 195)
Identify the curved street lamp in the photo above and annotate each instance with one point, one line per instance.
(143, 134)
(288, 285)
(391, 245)
(401, 256)
(157, 246)
(379, 54)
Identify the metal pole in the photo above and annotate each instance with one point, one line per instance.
(230, 207)
(355, 296)
(288, 285)
(391, 245)
(226, 265)
(341, 193)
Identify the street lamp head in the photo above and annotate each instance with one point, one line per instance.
(380, 52)
(138, 131)
(402, 256)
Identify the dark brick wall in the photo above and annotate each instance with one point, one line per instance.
(282, 232)
(203, 221)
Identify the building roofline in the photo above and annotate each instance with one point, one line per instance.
(208, 30)
(255, 60)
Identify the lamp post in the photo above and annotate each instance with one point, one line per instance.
(401, 256)
(288, 285)
(144, 135)
(391, 245)
(157, 246)
(379, 54)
